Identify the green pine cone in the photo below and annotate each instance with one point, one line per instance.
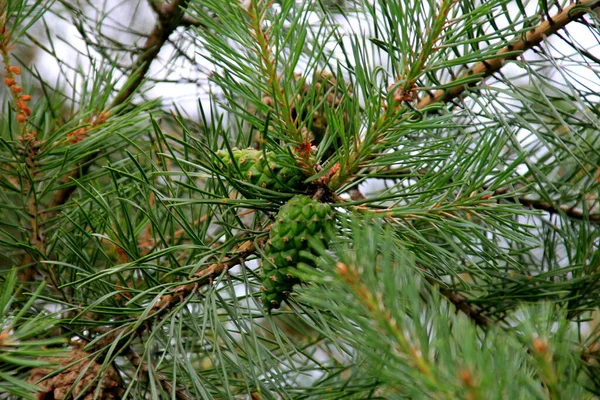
(298, 221)
(275, 172)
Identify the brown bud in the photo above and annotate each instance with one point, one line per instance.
(14, 69)
(466, 377)
(9, 81)
(74, 139)
(103, 116)
(342, 269)
(21, 117)
(4, 335)
(16, 88)
(268, 101)
(540, 346)
(25, 97)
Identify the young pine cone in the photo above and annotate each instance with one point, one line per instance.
(266, 170)
(299, 221)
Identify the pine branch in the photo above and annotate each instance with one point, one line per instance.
(180, 293)
(29, 149)
(170, 17)
(531, 39)
(482, 70)
(383, 316)
(538, 204)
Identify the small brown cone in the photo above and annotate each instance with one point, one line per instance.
(59, 386)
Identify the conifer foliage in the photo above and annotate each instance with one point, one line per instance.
(369, 199)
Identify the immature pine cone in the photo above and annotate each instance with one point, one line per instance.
(298, 220)
(267, 170)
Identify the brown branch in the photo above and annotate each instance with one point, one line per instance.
(531, 39)
(180, 293)
(356, 195)
(572, 212)
(188, 21)
(460, 302)
(169, 18)
(205, 276)
(62, 195)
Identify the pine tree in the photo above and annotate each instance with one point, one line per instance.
(377, 199)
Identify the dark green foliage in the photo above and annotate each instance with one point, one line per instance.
(299, 221)
(463, 262)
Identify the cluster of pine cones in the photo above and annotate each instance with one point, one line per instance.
(299, 221)
(302, 223)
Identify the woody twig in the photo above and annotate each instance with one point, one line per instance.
(484, 69)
